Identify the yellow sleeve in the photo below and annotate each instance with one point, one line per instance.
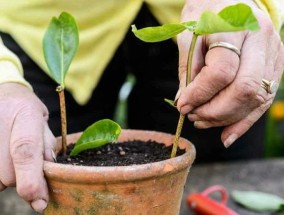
(275, 9)
(10, 67)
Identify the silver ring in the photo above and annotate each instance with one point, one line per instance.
(269, 86)
(227, 46)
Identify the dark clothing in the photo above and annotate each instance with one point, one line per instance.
(155, 66)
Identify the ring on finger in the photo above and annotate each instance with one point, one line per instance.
(225, 45)
(269, 86)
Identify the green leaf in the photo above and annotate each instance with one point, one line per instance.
(170, 102)
(232, 18)
(237, 17)
(190, 25)
(159, 33)
(60, 44)
(258, 201)
(98, 134)
(240, 15)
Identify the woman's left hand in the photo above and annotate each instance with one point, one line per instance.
(226, 88)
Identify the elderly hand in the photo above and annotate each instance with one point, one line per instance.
(226, 88)
(25, 142)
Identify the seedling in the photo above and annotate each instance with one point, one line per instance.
(60, 45)
(237, 17)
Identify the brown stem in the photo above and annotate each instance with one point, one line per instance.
(60, 91)
(188, 79)
(178, 131)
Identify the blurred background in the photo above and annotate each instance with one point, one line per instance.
(275, 124)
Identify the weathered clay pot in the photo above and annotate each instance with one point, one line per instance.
(150, 189)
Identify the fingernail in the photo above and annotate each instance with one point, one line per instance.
(201, 124)
(39, 205)
(177, 97)
(229, 141)
(196, 124)
(53, 155)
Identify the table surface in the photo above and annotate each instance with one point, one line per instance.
(257, 175)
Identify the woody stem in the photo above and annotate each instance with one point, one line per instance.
(188, 79)
(60, 91)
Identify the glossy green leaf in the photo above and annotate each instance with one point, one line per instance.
(159, 33)
(98, 134)
(258, 201)
(237, 17)
(232, 18)
(60, 44)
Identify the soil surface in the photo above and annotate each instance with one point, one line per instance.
(120, 154)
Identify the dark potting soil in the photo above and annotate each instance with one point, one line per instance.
(120, 154)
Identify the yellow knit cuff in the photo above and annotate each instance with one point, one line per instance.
(275, 9)
(10, 67)
(10, 73)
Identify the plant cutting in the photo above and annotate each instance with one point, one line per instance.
(74, 187)
(233, 18)
(149, 188)
(60, 45)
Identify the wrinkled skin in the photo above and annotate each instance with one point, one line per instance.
(25, 142)
(225, 88)
(225, 91)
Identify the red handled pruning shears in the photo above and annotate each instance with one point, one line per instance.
(202, 204)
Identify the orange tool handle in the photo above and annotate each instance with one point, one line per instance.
(201, 204)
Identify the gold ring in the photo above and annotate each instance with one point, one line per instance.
(227, 46)
(269, 86)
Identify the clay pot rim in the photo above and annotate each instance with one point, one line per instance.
(112, 174)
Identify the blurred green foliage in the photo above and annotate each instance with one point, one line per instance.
(120, 115)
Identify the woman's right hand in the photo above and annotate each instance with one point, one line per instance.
(26, 141)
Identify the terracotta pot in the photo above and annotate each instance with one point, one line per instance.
(152, 189)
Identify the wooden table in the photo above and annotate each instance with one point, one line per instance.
(258, 175)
